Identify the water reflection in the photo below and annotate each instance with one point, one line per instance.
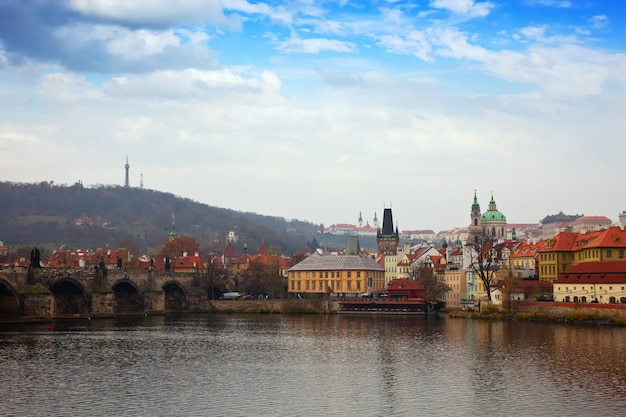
(310, 365)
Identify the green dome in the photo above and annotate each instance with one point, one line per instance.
(493, 215)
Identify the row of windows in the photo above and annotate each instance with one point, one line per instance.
(322, 285)
(325, 274)
(586, 254)
(583, 299)
(590, 288)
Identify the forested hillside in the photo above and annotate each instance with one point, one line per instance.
(53, 216)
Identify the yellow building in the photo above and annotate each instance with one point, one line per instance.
(568, 249)
(592, 282)
(458, 296)
(341, 275)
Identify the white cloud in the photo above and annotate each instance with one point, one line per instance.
(158, 13)
(414, 43)
(464, 7)
(599, 21)
(564, 4)
(315, 45)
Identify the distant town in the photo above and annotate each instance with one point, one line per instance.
(565, 258)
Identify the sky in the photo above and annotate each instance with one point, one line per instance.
(321, 110)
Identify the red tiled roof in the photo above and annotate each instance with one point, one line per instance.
(594, 272)
(611, 237)
(229, 252)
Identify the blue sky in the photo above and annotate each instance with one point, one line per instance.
(319, 110)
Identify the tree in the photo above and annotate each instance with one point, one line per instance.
(176, 246)
(214, 278)
(263, 278)
(435, 289)
(484, 260)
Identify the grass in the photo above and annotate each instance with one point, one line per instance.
(570, 317)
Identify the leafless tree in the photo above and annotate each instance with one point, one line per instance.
(435, 289)
(484, 261)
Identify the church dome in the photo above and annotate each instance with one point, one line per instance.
(493, 214)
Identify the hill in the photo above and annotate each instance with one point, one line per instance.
(53, 216)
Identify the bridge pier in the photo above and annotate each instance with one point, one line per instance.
(154, 300)
(38, 302)
(102, 303)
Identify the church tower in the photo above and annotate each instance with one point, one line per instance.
(475, 228)
(127, 167)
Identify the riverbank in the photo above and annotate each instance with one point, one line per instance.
(570, 316)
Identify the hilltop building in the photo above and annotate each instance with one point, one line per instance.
(556, 223)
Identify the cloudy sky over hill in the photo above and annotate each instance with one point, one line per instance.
(319, 110)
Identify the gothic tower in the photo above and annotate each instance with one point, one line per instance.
(127, 182)
(386, 238)
(388, 241)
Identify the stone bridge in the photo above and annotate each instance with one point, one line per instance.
(65, 293)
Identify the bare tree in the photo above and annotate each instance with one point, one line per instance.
(435, 289)
(484, 260)
(214, 279)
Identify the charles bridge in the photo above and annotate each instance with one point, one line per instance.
(63, 293)
(42, 294)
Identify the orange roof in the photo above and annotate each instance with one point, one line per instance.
(229, 252)
(611, 237)
(404, 284)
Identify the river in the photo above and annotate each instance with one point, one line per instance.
(310, 365)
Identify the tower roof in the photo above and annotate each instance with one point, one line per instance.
(475, 205)
(493, 213)
(387, 223)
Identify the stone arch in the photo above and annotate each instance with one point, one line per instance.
(70, 298)
(127, 298)
(175, 297)
(11, 303)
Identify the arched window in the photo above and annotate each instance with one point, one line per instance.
(583, 299)
(612, 300)
(622, 300)
(567, 299)
(575, 298)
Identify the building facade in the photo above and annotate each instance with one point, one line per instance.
(568, 249)
(339, 275)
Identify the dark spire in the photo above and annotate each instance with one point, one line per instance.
(387, 222)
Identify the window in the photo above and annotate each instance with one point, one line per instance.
(358, 274)
(349, 274)
(349, 285)
(609, 253)
(313, 284)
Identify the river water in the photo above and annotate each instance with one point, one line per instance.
(310, 365)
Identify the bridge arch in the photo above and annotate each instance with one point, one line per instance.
(175, 297)
(70, 298)
(11, 303)
(127, 298)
